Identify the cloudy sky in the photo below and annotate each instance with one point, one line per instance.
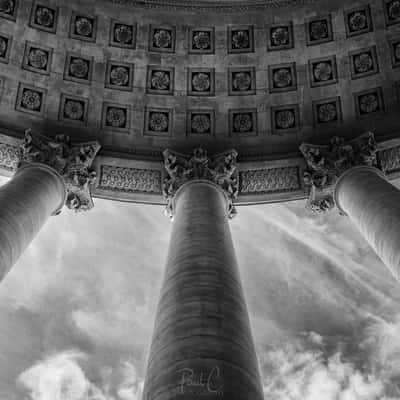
(76, 311)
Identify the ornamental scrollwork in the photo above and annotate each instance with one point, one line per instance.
(325, 164)
(130, 180)
(9, 156)
(389, 159)
(271, 180)
(72, 161)
(220, 169)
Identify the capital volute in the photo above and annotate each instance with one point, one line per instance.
(72, 161)
(220, 169)
(326, 163)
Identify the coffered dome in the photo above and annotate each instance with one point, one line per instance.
(258, 75)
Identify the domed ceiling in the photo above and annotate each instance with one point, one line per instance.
(259, 76)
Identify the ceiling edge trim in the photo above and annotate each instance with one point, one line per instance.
(206, 6)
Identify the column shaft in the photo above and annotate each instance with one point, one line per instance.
(202, 343)
(373, 205)
(26, 201)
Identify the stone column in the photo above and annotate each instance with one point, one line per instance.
(345, 175)
(373, 205)
(51, 173)
(202, 345)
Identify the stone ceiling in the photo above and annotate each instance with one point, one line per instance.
(140, 80)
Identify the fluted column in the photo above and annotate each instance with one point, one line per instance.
(51, 173)
(346, 176)
(33, 194)
(202, 345)
(373, 205)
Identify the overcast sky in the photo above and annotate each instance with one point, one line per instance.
(77, 310)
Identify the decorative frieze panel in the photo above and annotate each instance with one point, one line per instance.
(389, 159)
(131, 180)
(271, 180)
(9, 156)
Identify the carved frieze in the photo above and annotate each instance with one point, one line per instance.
(389, 159)
(131, 180)
(271, 180)
(327, 163)
(72, 161)
(181, 168)
(9, 156)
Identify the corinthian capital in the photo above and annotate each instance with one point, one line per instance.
(326, 164)
(220, 169)
(72, 162)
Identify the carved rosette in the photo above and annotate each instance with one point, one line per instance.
(220, 169)
(71, 161)
(327, 163)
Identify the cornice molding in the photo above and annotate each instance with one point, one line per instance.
(140, 179)
(208, 6)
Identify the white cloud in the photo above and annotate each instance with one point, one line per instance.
(62, 377)
(295, 373)
(382, 343)
(58, 377)
(131, 386)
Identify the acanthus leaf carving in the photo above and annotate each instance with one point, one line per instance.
(73, 161)
(327, 162)
(220, 169)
